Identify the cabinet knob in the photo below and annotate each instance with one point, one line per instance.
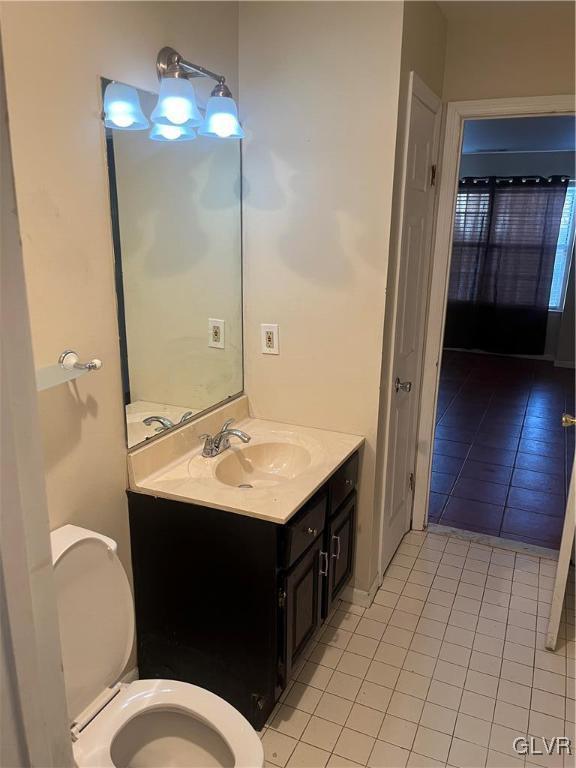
(348, 482)
(311, 531)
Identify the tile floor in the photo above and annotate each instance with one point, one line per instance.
(502, 460)
(447, 667)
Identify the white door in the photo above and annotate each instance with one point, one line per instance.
(410, 294)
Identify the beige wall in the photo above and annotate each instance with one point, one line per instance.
(498, 49)
(319, 90)
(55, 54)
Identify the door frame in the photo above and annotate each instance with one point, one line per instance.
(456, 113)
(415, 86)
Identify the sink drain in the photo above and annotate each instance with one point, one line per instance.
(245, 485)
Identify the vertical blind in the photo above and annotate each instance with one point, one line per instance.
(504, 247)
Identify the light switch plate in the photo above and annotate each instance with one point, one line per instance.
(269, 338)
(215, 333)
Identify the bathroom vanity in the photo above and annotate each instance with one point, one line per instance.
(228, 598)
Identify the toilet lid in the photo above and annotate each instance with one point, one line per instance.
(95, 612)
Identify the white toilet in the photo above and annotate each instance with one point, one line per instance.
(147, 723)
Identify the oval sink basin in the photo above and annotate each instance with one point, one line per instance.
(262, 465)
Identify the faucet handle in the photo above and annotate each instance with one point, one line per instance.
(227, 424)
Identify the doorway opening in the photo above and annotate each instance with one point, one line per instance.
(501, 460)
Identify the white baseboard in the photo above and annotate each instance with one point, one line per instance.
(361, 597)
(563, 364)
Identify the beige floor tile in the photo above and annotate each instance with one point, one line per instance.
(459, 636)
(410, 605)
(397, 636)
(466, 605)
(391, 654)
(439, 597)
(289, 721)
(404, 706)
(398, 731)
(344, 685)
(432, 743)
(303, 697)
(388, 599)
(307, 756)
(463, 754)
(422, 761)
(278, 747)
(344, 620)
(549, 681)
(378, 612)
(415, 591)
(491, 628)
(499, 760)
(436, 612)
(520, 653)
(382, 674)
(429, 646)
(502, 739)
(456, 654)
(339, 638)
(365, 720)
(333, 708)
(315, 675)
(413, 684)
(516, 673)
(511, 716)
(484, 662)
(544, 725)
(514, 693)
(326, 655)
(477, 705)
(494, 612)
(478, 682)
(363, 646)
(354, 745)
(473, 729)
(386, 755)
(353, 664)
(336, 761)
(420, 663)
(521, 636)
(438, 718)
(321, 733)
(374, 695)
(403, 619)
(463, 620)
(444, 694)
(370, 628)
(431, 628)
(450, 673)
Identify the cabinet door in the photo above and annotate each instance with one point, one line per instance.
(341, 533)
(303, 599)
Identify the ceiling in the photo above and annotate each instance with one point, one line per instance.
(520, 134)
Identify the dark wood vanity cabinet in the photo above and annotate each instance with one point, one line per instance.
(228, 602)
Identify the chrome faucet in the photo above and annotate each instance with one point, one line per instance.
(214, 445)
(164, 422)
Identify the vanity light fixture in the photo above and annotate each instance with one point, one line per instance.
(177, 102)
(171, 133)
(122, 109)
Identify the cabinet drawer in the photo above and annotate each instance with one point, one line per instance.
(343, 483)
(303, 530)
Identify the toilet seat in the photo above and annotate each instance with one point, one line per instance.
(93, 749)
(147, 723)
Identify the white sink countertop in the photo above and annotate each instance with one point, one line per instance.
(284, 464)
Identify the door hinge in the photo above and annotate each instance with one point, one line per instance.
(433, 176)
(412, 482)
(281, 598)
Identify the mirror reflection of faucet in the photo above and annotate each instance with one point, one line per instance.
(164, 422)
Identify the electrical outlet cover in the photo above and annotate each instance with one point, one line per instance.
(269, 338)
(215, 333)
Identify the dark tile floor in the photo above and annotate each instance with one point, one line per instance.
(502, 460)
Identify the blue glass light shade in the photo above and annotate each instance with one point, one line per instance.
(171, 133)
(122, 110)
(221, 119)
(176, 104)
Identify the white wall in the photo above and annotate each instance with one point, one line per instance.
(319, 86)
(498, 49)
(55, 54)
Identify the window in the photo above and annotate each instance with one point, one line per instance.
(564, 250)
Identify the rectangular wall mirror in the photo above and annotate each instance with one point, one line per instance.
(176, 220)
